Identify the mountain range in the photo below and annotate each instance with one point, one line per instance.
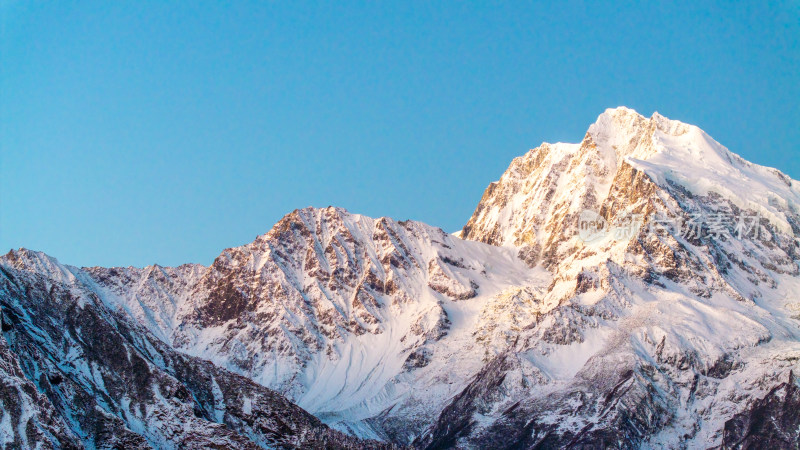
(639, 289)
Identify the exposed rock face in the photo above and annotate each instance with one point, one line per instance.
(530, 333)
(771, 422)
(26, 410)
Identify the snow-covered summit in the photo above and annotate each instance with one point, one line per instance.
(555, 181)
(672, 152)
(36, 261)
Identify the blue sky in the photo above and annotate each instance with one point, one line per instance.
(162, 132)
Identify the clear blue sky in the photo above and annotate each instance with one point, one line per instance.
(162, 132)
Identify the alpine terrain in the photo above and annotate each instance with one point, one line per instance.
(639, 289)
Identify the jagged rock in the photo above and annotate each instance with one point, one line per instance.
(770, 422)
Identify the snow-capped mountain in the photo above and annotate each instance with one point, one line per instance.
(639, 289)
(683, 313)
(356, 319)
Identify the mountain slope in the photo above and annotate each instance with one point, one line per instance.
(79, 375)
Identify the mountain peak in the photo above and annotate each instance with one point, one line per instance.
(528, 206)
(36, 261)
